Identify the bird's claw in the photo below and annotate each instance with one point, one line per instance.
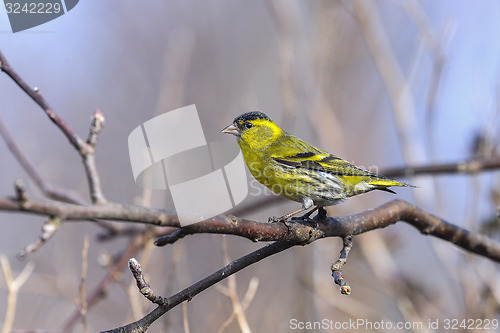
(305, 217)
(282, 219)
(321, 214)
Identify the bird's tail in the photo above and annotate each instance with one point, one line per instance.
(389, 182)
(383, 184)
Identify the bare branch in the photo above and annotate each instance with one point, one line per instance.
(470, 166)
(296, 231)
(185, 321)
(88, 155)
(96, 126)
(72, 212)
(85, 149)
(49, 228)
(142, 285)
(102, 289)
(171, 238)
(21, 194)
(13, 286)
(193, 290)
(35, 94)
(231, 292)
(249, 295)
(48, 189)
(83, 279)
(336, 268)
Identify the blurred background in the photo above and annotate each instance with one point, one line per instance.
(383, 84)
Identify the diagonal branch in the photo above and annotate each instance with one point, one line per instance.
(48, 189)
(85, 149)
(35, 94)
(49, 229)
(193, 290)
(51, 191)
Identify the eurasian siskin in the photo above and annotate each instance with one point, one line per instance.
(296, 170)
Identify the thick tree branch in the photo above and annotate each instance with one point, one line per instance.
(299, 232)
(303, 232)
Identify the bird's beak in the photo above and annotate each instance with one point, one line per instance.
(231, 129)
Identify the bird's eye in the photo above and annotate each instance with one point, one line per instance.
(248, 125)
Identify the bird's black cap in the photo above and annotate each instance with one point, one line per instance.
(252, 115)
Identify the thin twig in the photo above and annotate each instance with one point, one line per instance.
(20, 191)
(171, 238)
(247, 299)
(185, 321)
(336, 267)
(83, 279)
(142, 285)
(88, 155)
(101, 290)
(145, 257)
(231, 292)
(13, 286)
(96, 126)
(49, 228)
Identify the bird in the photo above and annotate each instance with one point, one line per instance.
(296, 170)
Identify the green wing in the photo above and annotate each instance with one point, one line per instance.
(299, 154)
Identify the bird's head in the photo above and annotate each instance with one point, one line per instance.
(254, 128)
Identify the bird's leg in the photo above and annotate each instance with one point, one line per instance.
(306, 204)
(321, 214)
(306, 215)
(286, 217)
